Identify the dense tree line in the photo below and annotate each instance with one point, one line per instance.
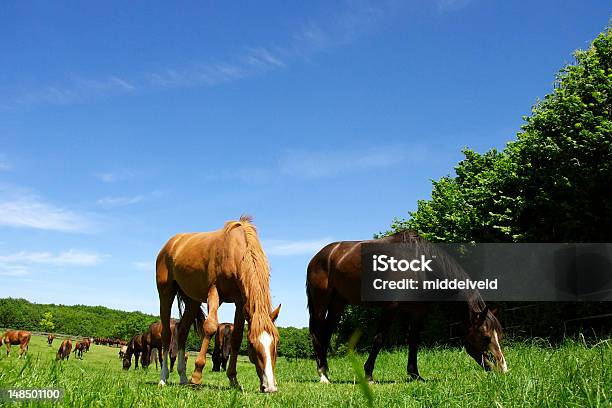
(99, 321)
(553, 183)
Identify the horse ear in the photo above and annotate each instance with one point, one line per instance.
(274, 313)
(478, 318)
(482, 316)
(494, 311)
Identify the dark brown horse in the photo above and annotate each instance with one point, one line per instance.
(86, 343)
(64, 350)
(136, 347)
(17, 337)
(227, 265)
(50, 338)
(153, 340)
(334, 280)
(79, 348)
(223, 340)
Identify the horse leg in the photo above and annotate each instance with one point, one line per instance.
(182, 331)
(384, 322)
(136, 357)
(336, 307)
(167, 291)
(216, 355)
(209, 329)
(414, 336)
(235, 345)
(318, 303)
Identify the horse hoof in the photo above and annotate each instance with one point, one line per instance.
(234, 384)
(324, 379)
(162, 383)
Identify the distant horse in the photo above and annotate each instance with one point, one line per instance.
(79, 348)
(334, 280)
(135, 347)
(153, 356)
(17, 337)
(227, 265)
(64, 350)
(50, 338)
(223, 340)
(122, 351)
(86, 343)
(153, 340)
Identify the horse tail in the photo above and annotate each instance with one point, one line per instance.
(227, 341)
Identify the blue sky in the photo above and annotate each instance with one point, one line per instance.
(123, 124)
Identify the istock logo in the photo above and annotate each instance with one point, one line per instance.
(383, 263)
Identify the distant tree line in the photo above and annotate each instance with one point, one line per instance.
(553, 183)
(100, 321)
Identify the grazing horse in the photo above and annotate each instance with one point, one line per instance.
(64, 350)
(86, 343)
(50, 338)
(79, 348)
(334, 280)
(227, 265)
(136, 346)
(153, 340)
(122, 351)
(223, 340)
(17, 337)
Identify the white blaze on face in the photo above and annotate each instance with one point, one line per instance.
(268, 382)
(495, 344)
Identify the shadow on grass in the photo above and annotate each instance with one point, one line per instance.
(190, 386)
(381, 382)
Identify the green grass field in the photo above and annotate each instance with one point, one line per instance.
(570, 375)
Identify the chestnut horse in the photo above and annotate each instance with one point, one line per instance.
(64, 350)
(50, 338)
(226, 265)
(334, 280)
(17, 337)
(135, 347)
(79, 348)
(222, 349)
(153, 340)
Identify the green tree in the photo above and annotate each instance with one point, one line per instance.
(551, 184)
(46, 323)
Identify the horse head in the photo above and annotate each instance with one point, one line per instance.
(263, 344)
(483, 337)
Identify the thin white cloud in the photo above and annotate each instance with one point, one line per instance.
(144, 266)
(115, 176)
(4, 165)
(445, 6)
(245, 175)
(317, 164)
(120, 201)
(276, 247)
(357, 18)
(77, 90)
(13, 270)
(71, 257)
(22, 208)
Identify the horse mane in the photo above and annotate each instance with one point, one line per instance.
(254, 275)
(450, 268)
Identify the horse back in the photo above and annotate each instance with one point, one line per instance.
(337, 268)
